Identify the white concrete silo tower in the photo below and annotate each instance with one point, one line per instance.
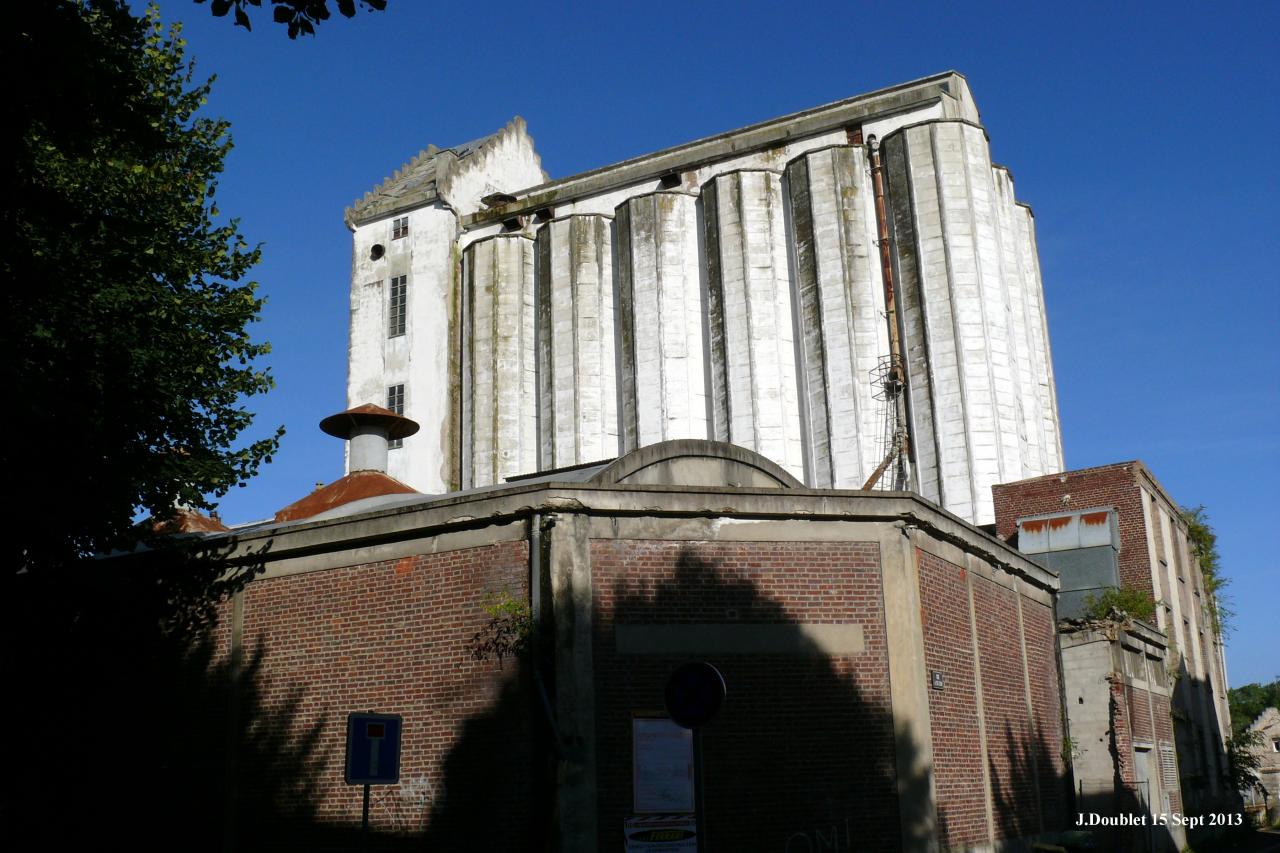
(732, 288)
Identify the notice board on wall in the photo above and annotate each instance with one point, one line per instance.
(662, 766)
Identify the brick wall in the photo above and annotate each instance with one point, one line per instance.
(1046, 704)
(804, 745)
(957, 753)
(1107, 486)
(392, 637)
(1023, 758)
(1122, 728)
(1012, 751)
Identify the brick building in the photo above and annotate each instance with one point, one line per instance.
(1115, 526)
(891, 669)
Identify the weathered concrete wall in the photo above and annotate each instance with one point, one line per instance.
(965, 367)
(755, 401)
(840, 297)
(749, 301)
(1116, 695)
(499, 386)
(506, 163)
(577, 388)
(660, 320)
(420, 358)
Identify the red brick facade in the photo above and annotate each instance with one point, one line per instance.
(953, 711)
(804, 745)
(803, 754)
(1105, 486)
(391, 637)
(1023, 758)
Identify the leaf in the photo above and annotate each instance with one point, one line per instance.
(242, 19)
(347, 8)
(282, 14)
(220, 7)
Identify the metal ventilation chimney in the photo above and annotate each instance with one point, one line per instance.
(369, 428)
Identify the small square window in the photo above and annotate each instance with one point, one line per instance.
(395, 402)
(397, 301)
(399, 227)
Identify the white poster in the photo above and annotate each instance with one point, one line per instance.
(662, 766)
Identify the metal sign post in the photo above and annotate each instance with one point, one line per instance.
(694, 694)
(373, 756)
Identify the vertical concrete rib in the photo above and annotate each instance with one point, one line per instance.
(752, 335)
(841, 299)
(500, 408)
(1038, 326)
(976, 345)
(1015, 278)
(913, 308)
(660, 319)
(575, 342)
(719, 409)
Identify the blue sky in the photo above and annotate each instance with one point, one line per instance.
(1143, 135)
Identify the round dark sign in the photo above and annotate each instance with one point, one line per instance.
(694, 694)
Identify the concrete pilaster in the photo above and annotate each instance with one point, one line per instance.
(572, 607)
(909, 691)
(979, 705)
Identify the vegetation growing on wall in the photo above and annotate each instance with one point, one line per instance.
(508, 633)
(1204, 544)
(1133, 603)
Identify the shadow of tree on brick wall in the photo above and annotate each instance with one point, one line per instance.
(1028, 794)
(800, 758)
(803, 756)
(118, 707)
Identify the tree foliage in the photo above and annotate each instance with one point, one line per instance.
(1204, 545)
(125, 348)
(300, 16)
(1244, 760)
(1249, 701)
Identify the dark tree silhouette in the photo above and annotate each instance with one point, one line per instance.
(300, 16)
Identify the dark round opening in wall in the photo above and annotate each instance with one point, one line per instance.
(376, 253)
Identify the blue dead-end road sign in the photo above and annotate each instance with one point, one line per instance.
(373, 748)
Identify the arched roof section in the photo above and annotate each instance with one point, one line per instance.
(695, 462)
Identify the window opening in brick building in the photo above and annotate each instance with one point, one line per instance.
(397, 304)
(399, 227)
(395, 402)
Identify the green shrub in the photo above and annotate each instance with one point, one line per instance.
(1132, 602)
